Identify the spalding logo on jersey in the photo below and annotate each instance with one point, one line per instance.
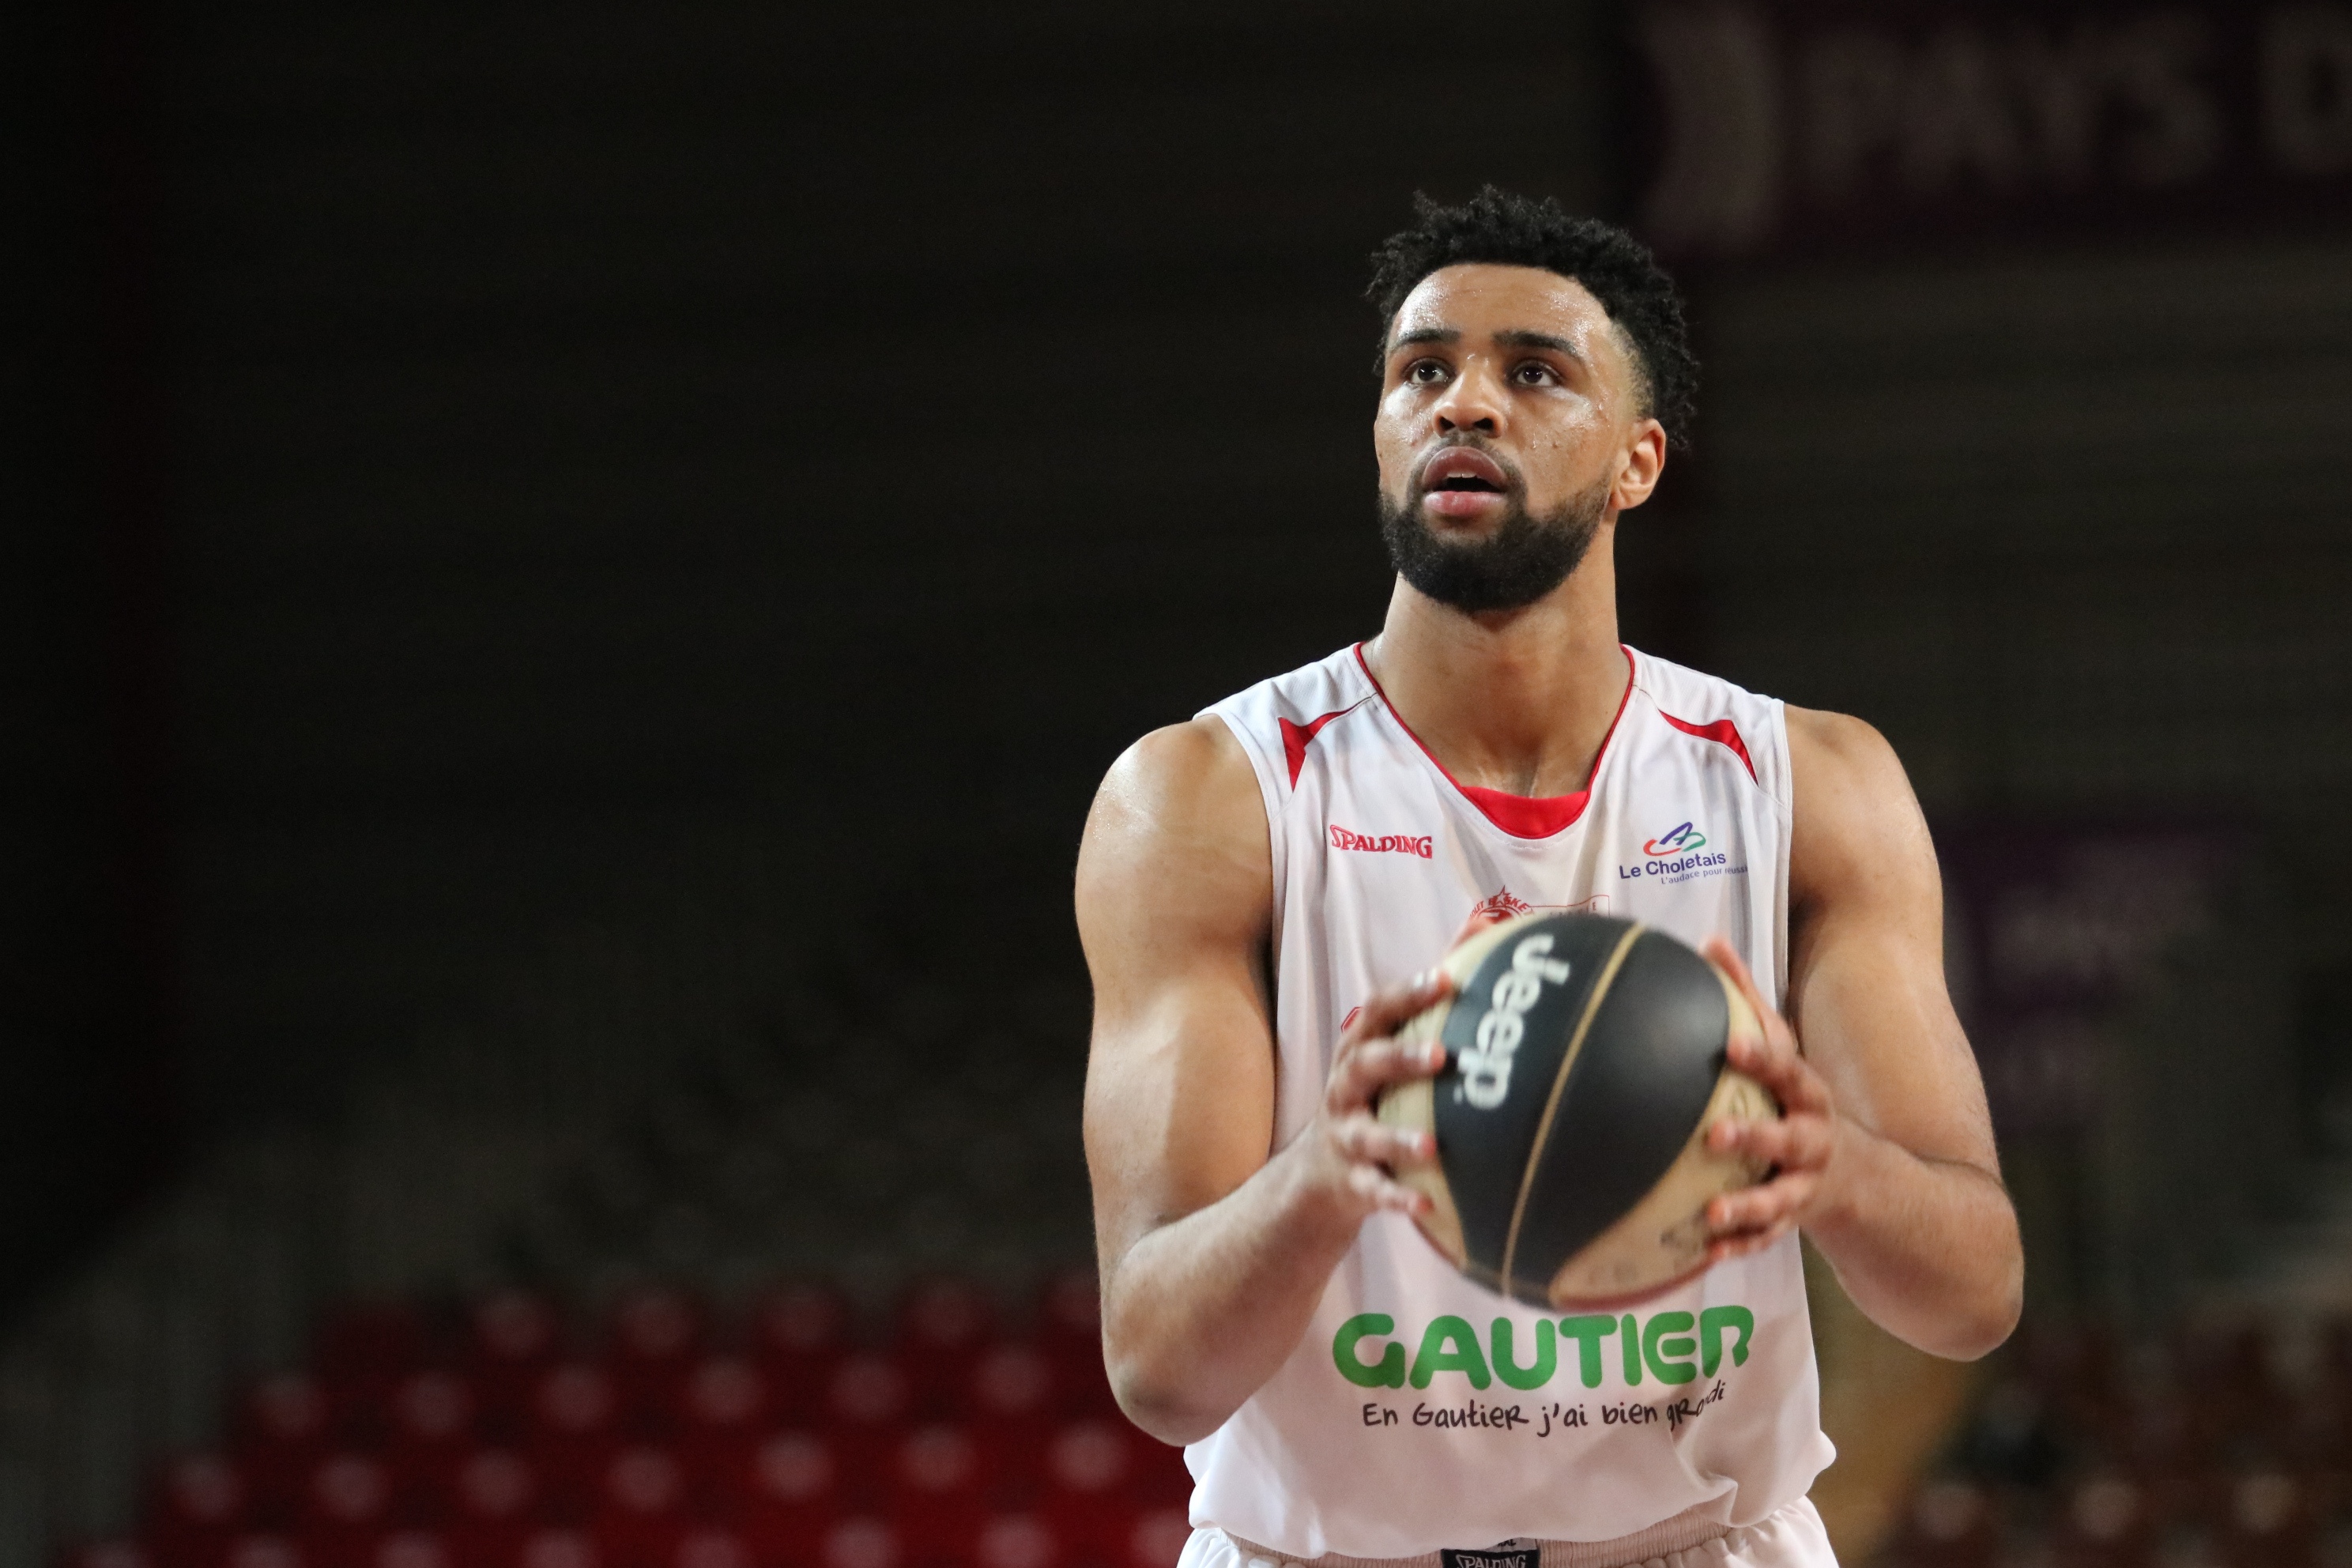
(1486, 1063)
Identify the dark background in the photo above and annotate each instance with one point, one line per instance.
(488, 468)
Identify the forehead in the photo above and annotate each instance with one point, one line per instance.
(1480, 299)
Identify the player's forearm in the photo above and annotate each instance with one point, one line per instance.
(1200, 1311)
(1928, 1248)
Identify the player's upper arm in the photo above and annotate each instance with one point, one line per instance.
(1866, 991)
(1174, 902)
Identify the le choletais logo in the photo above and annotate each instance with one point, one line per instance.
(1676, 854)
(1684, 841)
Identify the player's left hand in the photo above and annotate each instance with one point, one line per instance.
(1802, 1145)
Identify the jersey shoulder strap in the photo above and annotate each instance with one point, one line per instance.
(1277, 720)
(1708, 707)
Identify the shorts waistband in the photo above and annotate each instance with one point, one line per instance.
(1685, 1531)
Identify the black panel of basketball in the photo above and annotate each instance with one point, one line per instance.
(1585, 1061)
(1651, 1058)
(1488, 1116)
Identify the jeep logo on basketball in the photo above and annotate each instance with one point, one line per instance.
(1486, 1066)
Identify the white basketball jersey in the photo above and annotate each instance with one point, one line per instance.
(1423, 1411)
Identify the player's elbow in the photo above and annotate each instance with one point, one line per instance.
(2004, 1304)
(1156, 1374)
(1977, 1322)
(1158, 1398)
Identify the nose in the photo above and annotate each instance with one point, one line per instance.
(1472, 402)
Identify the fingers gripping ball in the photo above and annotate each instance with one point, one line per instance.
(1585, 1063)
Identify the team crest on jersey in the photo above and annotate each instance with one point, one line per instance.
(1505, 904)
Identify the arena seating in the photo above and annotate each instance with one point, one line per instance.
(2207, 1448)
(666, 1440)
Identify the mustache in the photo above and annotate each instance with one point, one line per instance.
(1418, 485)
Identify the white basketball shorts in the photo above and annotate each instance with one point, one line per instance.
(1790, 1536)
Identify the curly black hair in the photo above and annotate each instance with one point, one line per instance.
(1498, 227)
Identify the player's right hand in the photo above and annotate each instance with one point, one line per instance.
(1350, 1154)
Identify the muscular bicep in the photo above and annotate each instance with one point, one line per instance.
(1866, 988)
(1175, 898)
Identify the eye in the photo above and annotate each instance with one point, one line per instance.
(1424, 372)
(1534, 373)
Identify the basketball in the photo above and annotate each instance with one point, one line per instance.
(1585, 1063)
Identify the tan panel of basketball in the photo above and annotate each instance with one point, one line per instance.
(1663, 1237)
(1415, 1105)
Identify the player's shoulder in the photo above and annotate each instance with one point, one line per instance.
(1855, 816)
(1201, 756)
(1839, 750)
(1177, 840)
(1178, 789)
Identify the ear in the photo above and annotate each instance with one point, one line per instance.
(1637, 473)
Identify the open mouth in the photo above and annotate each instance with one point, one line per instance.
(1464, 470)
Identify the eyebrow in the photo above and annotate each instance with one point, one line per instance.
(1426, 335)
(1510, 337)
(1518, 338)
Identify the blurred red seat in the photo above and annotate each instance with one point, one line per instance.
(655, 1340)
(1011, 1396)
(865, 1400)
(2270, 1518)
(515, 1336)
(2105, 1523)
(115, 1553)
(793, 1499)
(1951, 1523)
(641, 1517)
(657, 1328)
(285, 1428)
(1156, 1539)
(412, 1549)
(1161, 1479)
(1016, 1541)
(937, 1492)
(369, 1341)
(348, 1489)
(862, 1541)
(723, 1414)
(572, 1434)
(942, 1323)
(347, 1508)
(493, 1503)
(1069, 1332)
(797, 1335)
(202, 1504)
(263, 1551)
(285, 1414)
(573, 1400)
(1089, 1466)
(559, 1548)
(432, 1412)
(712, 1548)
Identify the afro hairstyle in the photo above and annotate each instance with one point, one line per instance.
(1499, 227)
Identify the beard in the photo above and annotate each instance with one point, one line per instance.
(1524, 559)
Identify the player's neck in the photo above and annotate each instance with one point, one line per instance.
(1518, 700)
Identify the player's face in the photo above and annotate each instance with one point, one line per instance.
(1506, 390)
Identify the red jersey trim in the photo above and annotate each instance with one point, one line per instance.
(1723, 732)
(1296, 738)
(1520, 816)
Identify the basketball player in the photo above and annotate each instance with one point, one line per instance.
(1259, 887)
